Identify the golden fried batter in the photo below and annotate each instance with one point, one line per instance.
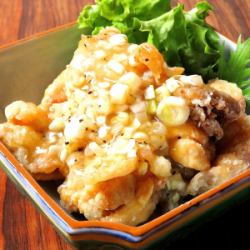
(233, 159)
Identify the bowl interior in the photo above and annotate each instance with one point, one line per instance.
(27, 68)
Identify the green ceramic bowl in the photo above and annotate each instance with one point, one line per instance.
(26, 68)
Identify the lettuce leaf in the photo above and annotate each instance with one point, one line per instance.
(236, 67)
(90, 19)
(184, 38)
(121, 14)
(120, 10)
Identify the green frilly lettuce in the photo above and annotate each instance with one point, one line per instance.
(121, 14)
(183, 37)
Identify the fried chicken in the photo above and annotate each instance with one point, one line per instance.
(233, 158)
(210, 109)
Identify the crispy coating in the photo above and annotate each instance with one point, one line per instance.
(17, 136)
(97, 200)
(28, 114)
(195, 154)
(37, 152)
(210, 109)
(233, 159)
(105, 182)
(139, 208)
(230, 89)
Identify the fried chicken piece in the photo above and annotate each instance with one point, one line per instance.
(17, 136)
(233, 158)
(107, 185)
(26, 134)
(190, 154)
(210, 109)
(140, 207)
(27, 113)
(37, 153)
(231, 89)
(190, 146)
(128, 199)
(98, 200)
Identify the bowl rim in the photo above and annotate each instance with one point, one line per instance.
(71, 225)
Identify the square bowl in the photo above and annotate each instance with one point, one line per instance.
(26, 68)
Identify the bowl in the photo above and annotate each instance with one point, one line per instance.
(26, 68)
